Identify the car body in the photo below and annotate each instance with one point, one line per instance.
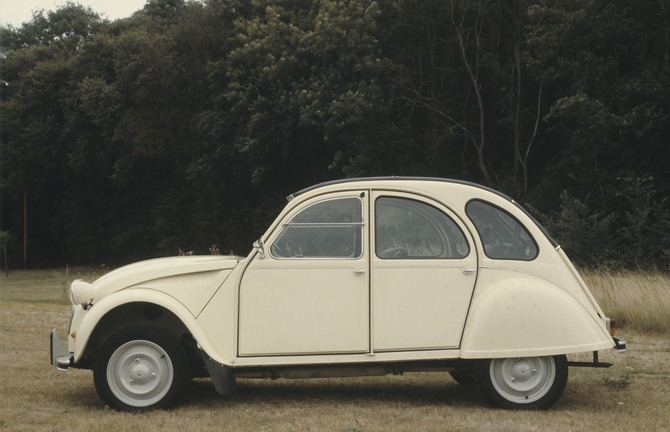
(355, 277)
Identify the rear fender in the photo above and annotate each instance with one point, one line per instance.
(520, 317)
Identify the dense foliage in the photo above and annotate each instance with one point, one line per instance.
(186, 125)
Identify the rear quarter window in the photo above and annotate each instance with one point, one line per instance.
(502, 235)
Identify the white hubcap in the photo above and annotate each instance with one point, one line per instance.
(139, 373)
(523, 380)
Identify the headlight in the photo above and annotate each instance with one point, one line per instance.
(81, 293)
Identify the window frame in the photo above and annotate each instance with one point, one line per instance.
(433, 223)
(357, 226)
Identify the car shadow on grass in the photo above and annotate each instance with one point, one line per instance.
(396, 390)
(410, 390)
(579, 396)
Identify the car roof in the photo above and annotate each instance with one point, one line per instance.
(423, 179)
(396, 178)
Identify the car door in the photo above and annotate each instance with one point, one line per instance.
(309, 293)
(423, 272)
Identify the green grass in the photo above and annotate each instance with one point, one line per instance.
(633, 395)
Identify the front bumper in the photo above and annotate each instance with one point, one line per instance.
(61, 358)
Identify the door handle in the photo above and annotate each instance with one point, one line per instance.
(468, 270)
(359, 271)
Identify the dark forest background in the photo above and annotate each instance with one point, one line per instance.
(188, 123)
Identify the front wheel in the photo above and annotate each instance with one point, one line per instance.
(140, 368)
(523, 382)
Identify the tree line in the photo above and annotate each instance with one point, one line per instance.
(187, 124)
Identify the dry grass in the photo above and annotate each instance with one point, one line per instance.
(637, 300)
(633, 395)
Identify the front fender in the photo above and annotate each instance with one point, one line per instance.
(520, 317)
(87, 324)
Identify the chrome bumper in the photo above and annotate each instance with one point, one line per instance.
(61, 358)
(619, 344)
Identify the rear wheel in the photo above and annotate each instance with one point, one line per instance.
(522, 382)
(141, 368)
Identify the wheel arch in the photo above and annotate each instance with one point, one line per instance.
(132, 308)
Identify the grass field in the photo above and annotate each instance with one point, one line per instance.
(633, 395)
(638, 300)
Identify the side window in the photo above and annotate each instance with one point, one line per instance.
(326, 229)
(502, 235)
(406, 228)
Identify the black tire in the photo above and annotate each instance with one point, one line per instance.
(141, 368)
(524, 383)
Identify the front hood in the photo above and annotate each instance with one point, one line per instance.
(145, 271)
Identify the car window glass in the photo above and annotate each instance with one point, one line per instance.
(327, 229)
(502, 235)
(406, 228)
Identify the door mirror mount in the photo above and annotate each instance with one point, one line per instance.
(260, 246)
